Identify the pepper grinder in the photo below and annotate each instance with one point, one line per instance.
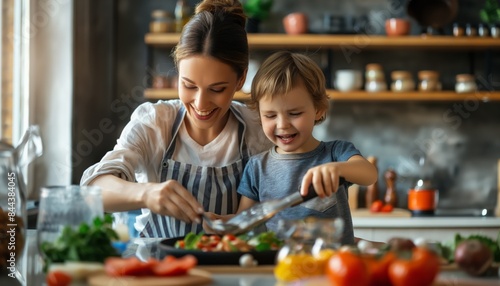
(390, 193)
(372, 190)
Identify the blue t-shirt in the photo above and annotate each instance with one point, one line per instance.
(270, 175)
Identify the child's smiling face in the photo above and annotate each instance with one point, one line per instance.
(288, 119)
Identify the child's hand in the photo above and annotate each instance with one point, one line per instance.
(213, 216)
(324, 178)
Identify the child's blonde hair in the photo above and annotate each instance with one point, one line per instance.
(281, 71)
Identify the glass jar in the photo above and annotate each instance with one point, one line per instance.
(161, 22)
(13, 194)
(483, 30)
(428, 81)
(309, 244)
(458, 31)
(402, 81)
(470, 30)
(465, 83)
(494, 31)
(374, 78)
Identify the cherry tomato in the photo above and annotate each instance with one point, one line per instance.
(347, 269)
(376, 206)
(420, 270)
(58, 278)
(387, 208)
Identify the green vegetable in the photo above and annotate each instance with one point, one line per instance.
(90, 243)
(191, 239)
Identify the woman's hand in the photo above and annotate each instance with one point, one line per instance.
(171, 199)
(213, 217)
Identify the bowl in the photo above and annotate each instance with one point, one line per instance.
(167, 247)
(397, 27)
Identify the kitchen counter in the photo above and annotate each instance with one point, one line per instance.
(426, 222)
(258, 276)
(432, 228)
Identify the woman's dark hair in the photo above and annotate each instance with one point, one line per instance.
(216, 30)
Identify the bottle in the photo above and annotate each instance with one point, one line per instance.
(390, 193)
(372, 190)
(182, 14)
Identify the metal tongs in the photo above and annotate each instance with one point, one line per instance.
(259, 213)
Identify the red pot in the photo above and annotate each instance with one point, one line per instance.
(295, 23)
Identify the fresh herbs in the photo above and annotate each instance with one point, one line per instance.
(90, 243)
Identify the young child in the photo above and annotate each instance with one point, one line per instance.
(289, 94)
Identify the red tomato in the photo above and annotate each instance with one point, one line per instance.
(420, 270)
(116, 266)
(179, 266)
(347, 269)
(378, 269)
(387, 208)
(58, 278)
(376, 206)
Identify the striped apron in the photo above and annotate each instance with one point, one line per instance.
(214, 187)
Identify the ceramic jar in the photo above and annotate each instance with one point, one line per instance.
(161, 22)
(402, 81)
(295, 23)
(397, 27)
(465, 83)
(348, 80)
(428, 81)
(374, 78)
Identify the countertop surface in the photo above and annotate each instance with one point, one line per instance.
(257, 276)
(426, 222)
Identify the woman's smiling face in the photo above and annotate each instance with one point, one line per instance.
(206, 88)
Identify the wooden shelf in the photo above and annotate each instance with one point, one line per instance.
(156, 94)
(266, 41)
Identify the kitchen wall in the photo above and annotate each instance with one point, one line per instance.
(460, 139)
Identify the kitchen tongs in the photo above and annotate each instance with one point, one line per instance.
(260, 213)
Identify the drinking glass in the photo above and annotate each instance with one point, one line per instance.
(62, 206)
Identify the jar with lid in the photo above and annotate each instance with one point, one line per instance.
(470, 30)
(374, 78)
(465, 83)
(402, 81)
(161, 22)
(458, 31)
(428, 81)
(182, 14)
(423, 196)
(494, 31)
(309, 244)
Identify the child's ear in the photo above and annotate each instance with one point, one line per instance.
(242, 79)
(320, 114)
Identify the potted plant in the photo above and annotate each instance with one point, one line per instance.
(490, 13)
(256, 11)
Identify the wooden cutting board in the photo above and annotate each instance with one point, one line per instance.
(195, 277)
(397, 212)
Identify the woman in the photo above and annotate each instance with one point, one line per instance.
(177, 159)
